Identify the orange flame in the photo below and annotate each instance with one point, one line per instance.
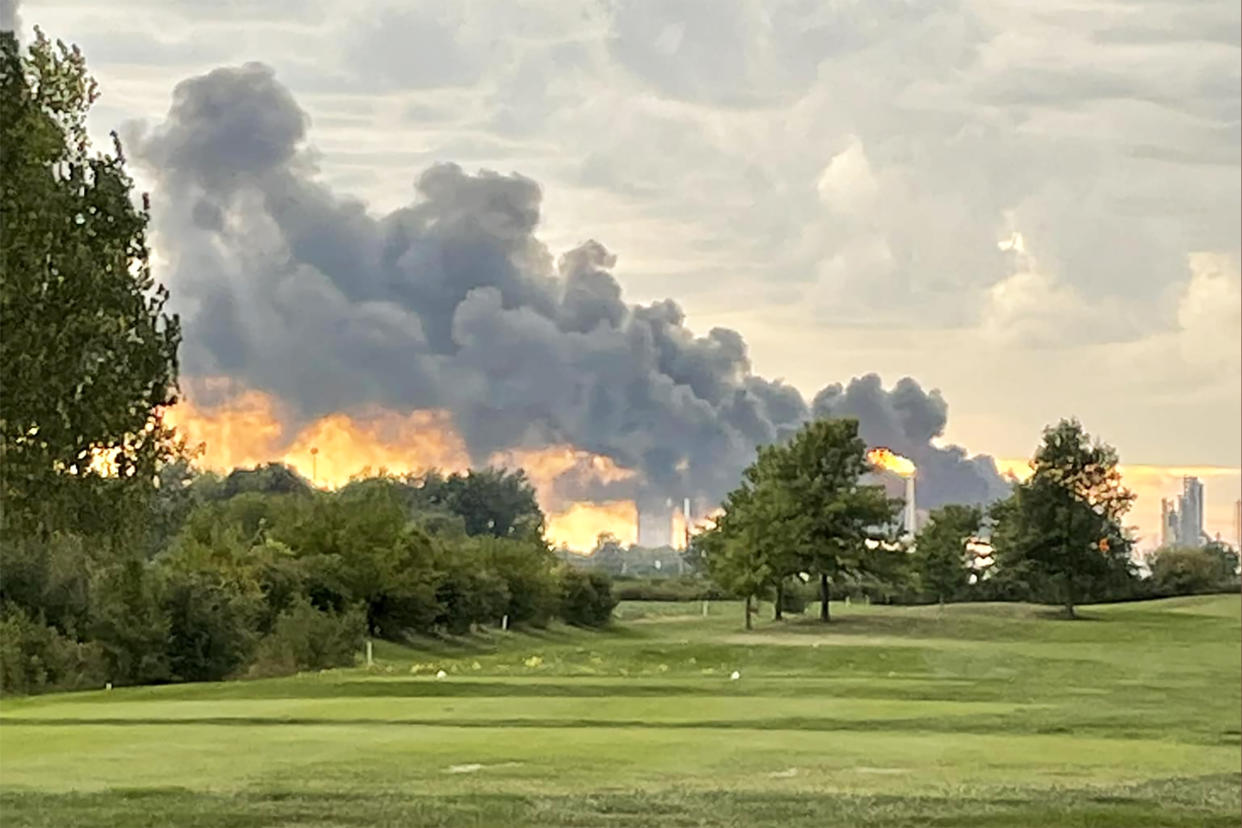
(580, 525)
(247, 430)
(891, 461)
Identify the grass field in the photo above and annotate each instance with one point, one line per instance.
(974, 715)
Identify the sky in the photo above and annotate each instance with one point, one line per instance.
(1032, 207)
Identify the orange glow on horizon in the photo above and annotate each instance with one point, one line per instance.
(247, 430)
(580, 525)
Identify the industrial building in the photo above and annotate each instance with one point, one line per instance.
(1181, 519)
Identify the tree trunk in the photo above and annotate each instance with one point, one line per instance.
(780, 599)
(748, 623)
(1069, 598)
(823, 597)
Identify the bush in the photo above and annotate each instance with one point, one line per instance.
(688, 588)
(1190, 571)
(128, 622)
(528, 570)
(210, 627)
(586, 597)
(36, 658)
(304, 638)
(469, 591)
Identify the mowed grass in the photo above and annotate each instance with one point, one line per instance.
(970, 715)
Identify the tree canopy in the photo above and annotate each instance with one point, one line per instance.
(940, 556)
(89, 355)
(1063, 524)
(802, 507)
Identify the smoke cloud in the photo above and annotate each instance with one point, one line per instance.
(453, 303)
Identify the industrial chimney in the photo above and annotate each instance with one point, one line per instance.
(911, 516)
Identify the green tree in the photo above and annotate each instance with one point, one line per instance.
(88, 356)
(493, 502)
(736, 549)
(940, 550)
(818, 506)
(1063, 524)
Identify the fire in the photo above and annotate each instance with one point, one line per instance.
(891, 461)
(547, 465)
(578, 526)
(246, 430)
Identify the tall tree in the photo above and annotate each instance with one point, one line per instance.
(824, 511)
(88, 355)
(803, 507)
(1064, 522)
(736, 549)
(940, 550)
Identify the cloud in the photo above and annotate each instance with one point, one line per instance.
(10, 18)
(452, 302)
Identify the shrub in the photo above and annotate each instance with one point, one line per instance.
(129, 623)
(586, 597)
(469, 591)
(688, 588)
(305, 638)
(35, 657)
(1190, 571)
(527, 568)
(209, 627)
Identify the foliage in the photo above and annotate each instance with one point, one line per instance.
(269, 478)
(35, 657)
(129, 623)
(210, 627)
(306, 638)
(1063, 524)
(802, 508)
(88, 355)
(941, 558)
(1194, 570)
(527, 569)
(682, 588)
(586, 597)
(496, 502)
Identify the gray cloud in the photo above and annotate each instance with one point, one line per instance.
(10, 18)
(453, 302)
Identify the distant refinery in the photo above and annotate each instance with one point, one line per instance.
(1181, 518)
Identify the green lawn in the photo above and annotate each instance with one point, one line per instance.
(971, 715)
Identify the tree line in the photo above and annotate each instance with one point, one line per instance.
(806, 513)
(257, 573)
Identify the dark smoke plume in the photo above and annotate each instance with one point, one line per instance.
(452, 302)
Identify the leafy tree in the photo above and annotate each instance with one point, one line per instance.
(740, 551)
(527, 568)
(818, 506)
(493, 502)
(129, 623)
(269, 478)
(88, 356)
(940, 550)
(1063, 524)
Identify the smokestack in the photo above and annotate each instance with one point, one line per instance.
(911, 515)
(685, 521)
